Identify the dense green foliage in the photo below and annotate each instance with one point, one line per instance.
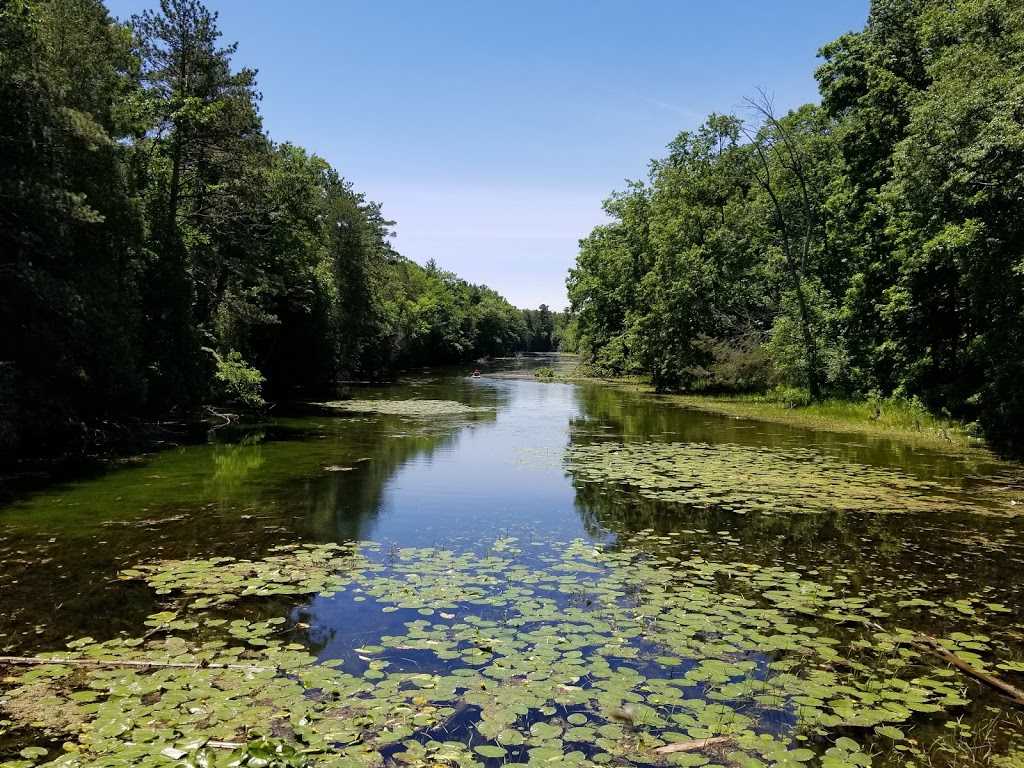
(546, 331)
(157, 248)
(867, 245)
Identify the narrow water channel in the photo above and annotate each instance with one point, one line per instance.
(494, 479)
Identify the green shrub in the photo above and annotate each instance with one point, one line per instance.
(793, 397)
(241, 380)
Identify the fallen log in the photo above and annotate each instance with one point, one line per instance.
(693, 746)
(931, 645)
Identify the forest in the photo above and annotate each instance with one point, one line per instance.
(869, 246)
(159, 251)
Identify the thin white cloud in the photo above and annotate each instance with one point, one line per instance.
(488, 211)
(518, 240)
(690, 116)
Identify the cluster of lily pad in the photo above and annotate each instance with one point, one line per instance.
(220, 580)
(766, 480)
(567, 655)
(410, 408)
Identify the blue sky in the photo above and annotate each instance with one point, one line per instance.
(492, 130)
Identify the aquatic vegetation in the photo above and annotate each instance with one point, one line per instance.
(562, 655)
(221, 580)
(418, 418)
(767, 480)
(426, 409)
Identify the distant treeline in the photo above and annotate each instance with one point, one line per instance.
(872, 245)
(157, 249)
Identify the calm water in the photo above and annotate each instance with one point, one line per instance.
(317, 476)
(405, 482)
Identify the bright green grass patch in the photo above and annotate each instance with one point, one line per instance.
(894, 418)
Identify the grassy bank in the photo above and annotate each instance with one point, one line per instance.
(893, 418)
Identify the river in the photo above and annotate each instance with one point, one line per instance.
(905, 539)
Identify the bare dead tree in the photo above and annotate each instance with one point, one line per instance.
(773, 141)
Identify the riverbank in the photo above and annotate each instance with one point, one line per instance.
(90, 450)
(895, 419)
(898, 420)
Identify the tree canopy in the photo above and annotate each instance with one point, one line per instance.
(866, 245)
(157, 249)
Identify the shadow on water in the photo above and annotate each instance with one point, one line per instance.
(308, 475)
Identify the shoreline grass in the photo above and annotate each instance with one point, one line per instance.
(891, 418)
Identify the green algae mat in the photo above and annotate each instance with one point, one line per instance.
(521, 651)
(767, 480)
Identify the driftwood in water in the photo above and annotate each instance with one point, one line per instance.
(693, 746)
(931, 645)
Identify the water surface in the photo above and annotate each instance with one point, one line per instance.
(319, 476)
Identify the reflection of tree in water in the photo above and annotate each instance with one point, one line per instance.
(306, 629)
(344, 505)
(234, 463)
(260, 493)
(610, 509)
(325, 481)
(636, 416)
(301, 628)
(888, 558)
